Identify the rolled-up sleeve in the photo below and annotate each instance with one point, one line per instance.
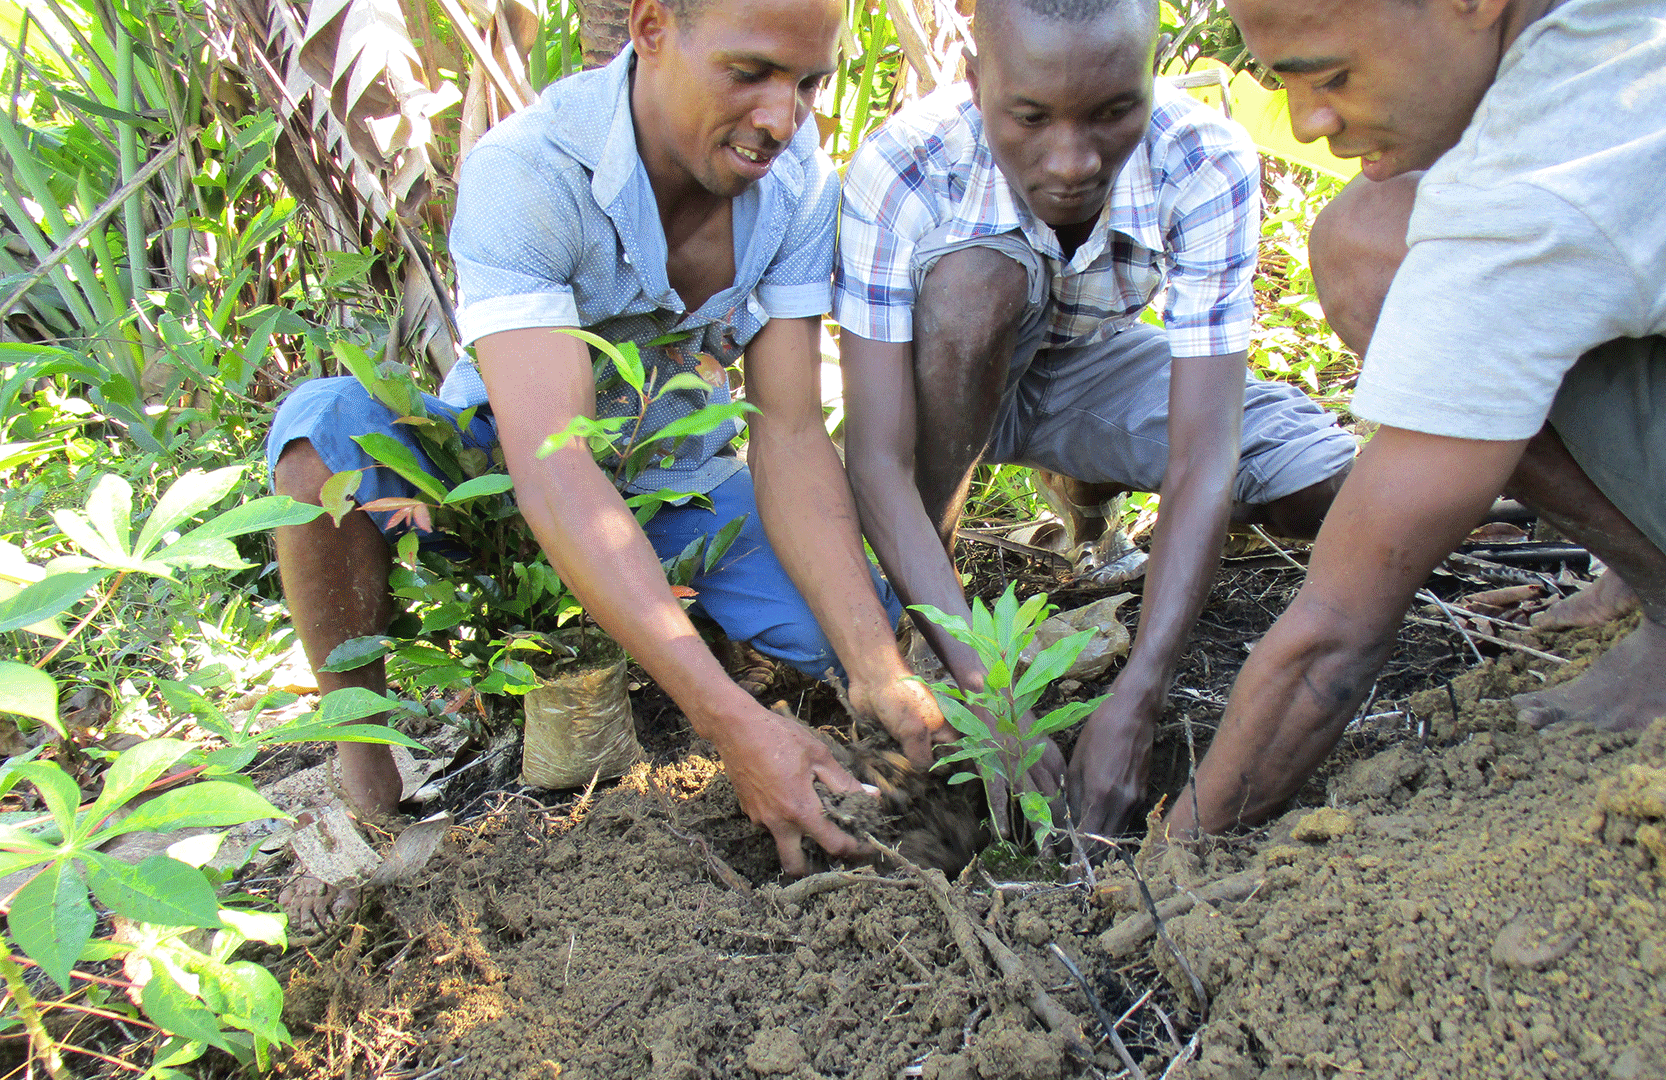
(1212, 235)
(516, 240)
(799, 282)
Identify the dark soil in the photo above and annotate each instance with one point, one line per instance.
(1452, 897)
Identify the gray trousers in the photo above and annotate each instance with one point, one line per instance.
(1099, 412)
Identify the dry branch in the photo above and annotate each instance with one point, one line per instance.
(1126, 936)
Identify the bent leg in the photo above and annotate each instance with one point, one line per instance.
(336, 583)
(963, 352)
(747, 592)
(1357, 244)
(336, 579)
(1099, 415)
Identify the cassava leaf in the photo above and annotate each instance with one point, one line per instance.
(188, 496)
(160, 890)
(30, 692)
(203, 805)
(51, 920)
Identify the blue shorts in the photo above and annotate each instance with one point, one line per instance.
(748, 594)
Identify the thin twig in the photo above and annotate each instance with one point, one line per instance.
(72, 242)
(1270, 542)
(1492, 639)
(1426, 595)
(1162, 932)
(1117, 1044)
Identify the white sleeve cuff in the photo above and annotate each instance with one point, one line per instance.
(525, 312)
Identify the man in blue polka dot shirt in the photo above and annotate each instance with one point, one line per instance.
(677, 192)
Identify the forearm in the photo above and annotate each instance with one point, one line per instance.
(596, 547)
(1185, 553)
(901, 534)
(805, 502)
(1289, 706)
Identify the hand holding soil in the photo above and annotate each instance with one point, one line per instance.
(908, 711)
(773, 763)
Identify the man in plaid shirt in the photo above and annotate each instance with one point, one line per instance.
(998, 243)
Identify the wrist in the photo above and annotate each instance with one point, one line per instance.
(717, 712)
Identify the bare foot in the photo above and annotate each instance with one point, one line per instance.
(1604, 600)
(370, 780)
(313, 906)
(1624, 689)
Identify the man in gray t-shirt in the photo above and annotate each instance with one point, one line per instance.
(1511, 305)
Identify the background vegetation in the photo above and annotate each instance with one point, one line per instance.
(203, 203)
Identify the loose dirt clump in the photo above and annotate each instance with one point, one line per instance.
(1493, 908)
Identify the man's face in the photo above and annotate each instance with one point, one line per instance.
(735, 80)
(1386, 81)
(1064, 104)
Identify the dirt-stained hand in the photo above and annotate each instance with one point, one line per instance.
(909, 712)
(772, 761)
(1109, 765)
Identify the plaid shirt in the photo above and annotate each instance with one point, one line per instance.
(1185, 210)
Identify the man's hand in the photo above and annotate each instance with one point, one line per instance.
(1110, 764)
(909, 712)
(772, 762)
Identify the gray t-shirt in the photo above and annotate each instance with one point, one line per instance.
(1540, 236)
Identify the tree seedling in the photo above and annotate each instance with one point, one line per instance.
(990, 721)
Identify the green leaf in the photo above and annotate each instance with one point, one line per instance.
(74, 524)
(172, 1009)
(1006, 610)
(983, 623)
(264, 926)
(962, 719)
(52, 595)
(247, 996)
(723, 541)
(1038, 810)
(52, 921)
(204, 805)
(110, 510)
(704, 421)
(60, 793)
(257, 515)
(336, 494)
(998, 676)
(963, 777)
(357, 652)
(626, 360)
(954, 624)
(400, 458)
(683, 380)
(161, 890)
(489, 484)
(354, 703)
(1063, 716)
(1031, 756)
(30, 692)
(134, 770)
(1052, 662)
(187, 497)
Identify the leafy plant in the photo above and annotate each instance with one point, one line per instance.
(201, 996)
(486, 620)
(1001, 746)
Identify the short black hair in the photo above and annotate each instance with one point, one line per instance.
(685, 12)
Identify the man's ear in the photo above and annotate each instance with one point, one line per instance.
(1479, 14)
(650, 23)
(972, 74)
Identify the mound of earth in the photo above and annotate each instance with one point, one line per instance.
(1494, 909)
(1475, 900)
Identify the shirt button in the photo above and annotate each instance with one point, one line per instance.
(627, 258)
